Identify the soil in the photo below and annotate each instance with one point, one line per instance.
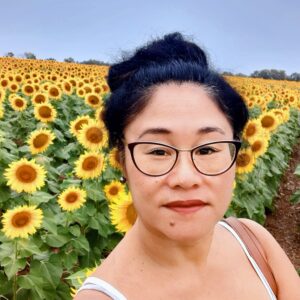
(284, 221)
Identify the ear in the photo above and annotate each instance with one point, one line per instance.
(121, 160)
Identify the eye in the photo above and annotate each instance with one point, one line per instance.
(206, 150)
(159, 152)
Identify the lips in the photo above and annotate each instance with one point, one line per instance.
(186, 206)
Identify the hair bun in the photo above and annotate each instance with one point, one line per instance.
(171, 47)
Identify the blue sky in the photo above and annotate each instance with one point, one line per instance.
(239, 36)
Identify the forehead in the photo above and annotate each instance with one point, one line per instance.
(180, 108)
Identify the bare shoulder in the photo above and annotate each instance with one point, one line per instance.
(284, 272)
(91, 295)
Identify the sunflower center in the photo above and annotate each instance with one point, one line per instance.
(45, 112)
(21, 219)
(72, 197)
(80, 123)
(267, 121)
(90, 163)
(29, 89)
(256, 146)
(19, 102)
(113, 191)
(54, 92)
(93, 100)
(40, 99)
(40, 140)
(243, 160)
(131, 214)
(250, 130)
(94, 135)
(26, 174)
(67, 87)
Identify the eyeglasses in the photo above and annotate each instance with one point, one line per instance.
(156, 159)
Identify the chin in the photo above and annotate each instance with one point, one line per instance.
(188, 236)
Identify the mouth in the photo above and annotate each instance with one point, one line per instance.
(186, 206)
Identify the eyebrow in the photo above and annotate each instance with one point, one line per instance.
(201, 131)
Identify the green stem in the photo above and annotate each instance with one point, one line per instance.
(15, 276)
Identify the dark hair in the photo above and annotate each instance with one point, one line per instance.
(170, 59)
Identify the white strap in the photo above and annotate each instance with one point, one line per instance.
(94, 283)
(252, 261)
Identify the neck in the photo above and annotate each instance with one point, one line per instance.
(164, 252)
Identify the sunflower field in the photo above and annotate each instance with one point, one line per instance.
(63, 207)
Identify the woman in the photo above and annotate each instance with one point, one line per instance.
(176, 124)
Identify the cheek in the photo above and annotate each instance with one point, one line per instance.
(226, 185)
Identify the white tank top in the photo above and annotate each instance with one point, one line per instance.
(94, 283)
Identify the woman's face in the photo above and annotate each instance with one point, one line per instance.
(184, 204)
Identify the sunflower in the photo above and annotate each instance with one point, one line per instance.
(72, 198)
(28, 89)
(252, 129)
(1, 111)
(54, 92)
(13, 87)
(67, 87)
(113, 190)
(80, 92)
(87, 273)
(40, 140)
(21, 221)
(25, 175)
(45, 112)
(259, 146)
(76, 125)
(122, 213)
(99, 114)
(115, 159)
(93, 136)
(282, 115)
(268, 121)
(18, 103)
(89, 165)
(93, 100)
(2, 95)
(4, 83)
(245, 161)
(39, 98)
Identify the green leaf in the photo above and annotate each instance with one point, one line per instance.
(40, 197)
(28, 248)
(24, 149)
(75, 230)
(4, 194)
(94, 190)
(12, 265)
(5, 285)
(81, 243)
(53, 187)
(297, 171)
(62, 292)
(69, 259)
(295, 198)
(57, 241)
(6, 157)
(30, 281)
(50, 225)
(50, 272)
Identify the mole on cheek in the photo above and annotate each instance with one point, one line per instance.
(172, 224)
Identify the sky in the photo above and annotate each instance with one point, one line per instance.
(238, 36)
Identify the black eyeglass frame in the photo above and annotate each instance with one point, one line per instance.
(236, 143)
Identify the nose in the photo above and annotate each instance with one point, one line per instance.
(184, 174)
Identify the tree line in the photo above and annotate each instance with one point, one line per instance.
(265, 73)
(269, 74)
(30, 55)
